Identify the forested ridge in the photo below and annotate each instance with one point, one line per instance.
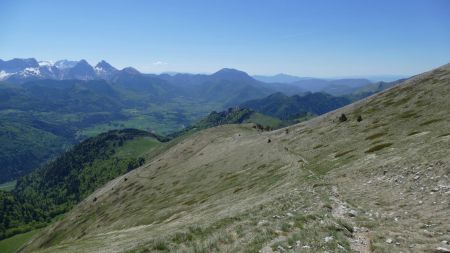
(54, 188)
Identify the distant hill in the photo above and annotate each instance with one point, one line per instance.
(289, 108)
(372, 88)
(226, 86)
(279, 78)
(335, 87)
(231, 87)
(238, 116)
(234, 115)
(306, 105)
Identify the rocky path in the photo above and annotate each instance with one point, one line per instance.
(360, 241)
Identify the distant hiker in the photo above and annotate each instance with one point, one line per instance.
(359, 119)
(269, 141)
(342, 118)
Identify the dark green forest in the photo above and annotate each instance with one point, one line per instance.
(285, 107)
(53, 189)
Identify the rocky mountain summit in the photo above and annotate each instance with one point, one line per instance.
(23, 70)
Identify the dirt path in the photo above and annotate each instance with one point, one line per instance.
(360, 241)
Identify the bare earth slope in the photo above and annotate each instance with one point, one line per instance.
(379, 185)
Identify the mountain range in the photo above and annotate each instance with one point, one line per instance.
(45, 108)
(372, 176)
(280, 78)
(23, 70)
(285, 78)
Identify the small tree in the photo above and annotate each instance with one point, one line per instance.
(342, 118)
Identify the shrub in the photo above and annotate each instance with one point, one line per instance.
(343, 153)
(378, 147)
(160, 245)
(413, 133)
(343, 118)
(430, 121)
(376, 135)
(285, 227)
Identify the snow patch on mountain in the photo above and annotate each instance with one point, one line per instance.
(22, 70)
(4, 75)
(45, 63)
(32, 71)
(99, 69)
(65, 64)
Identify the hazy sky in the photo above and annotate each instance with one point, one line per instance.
(306, 38)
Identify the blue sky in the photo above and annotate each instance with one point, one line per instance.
(306, 38)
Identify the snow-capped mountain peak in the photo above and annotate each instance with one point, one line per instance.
(31, 71)
(22, 70)
(104, 70)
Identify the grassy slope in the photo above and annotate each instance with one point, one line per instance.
(12, 244)
(137, 147)
(265, 120)
(229, 189)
